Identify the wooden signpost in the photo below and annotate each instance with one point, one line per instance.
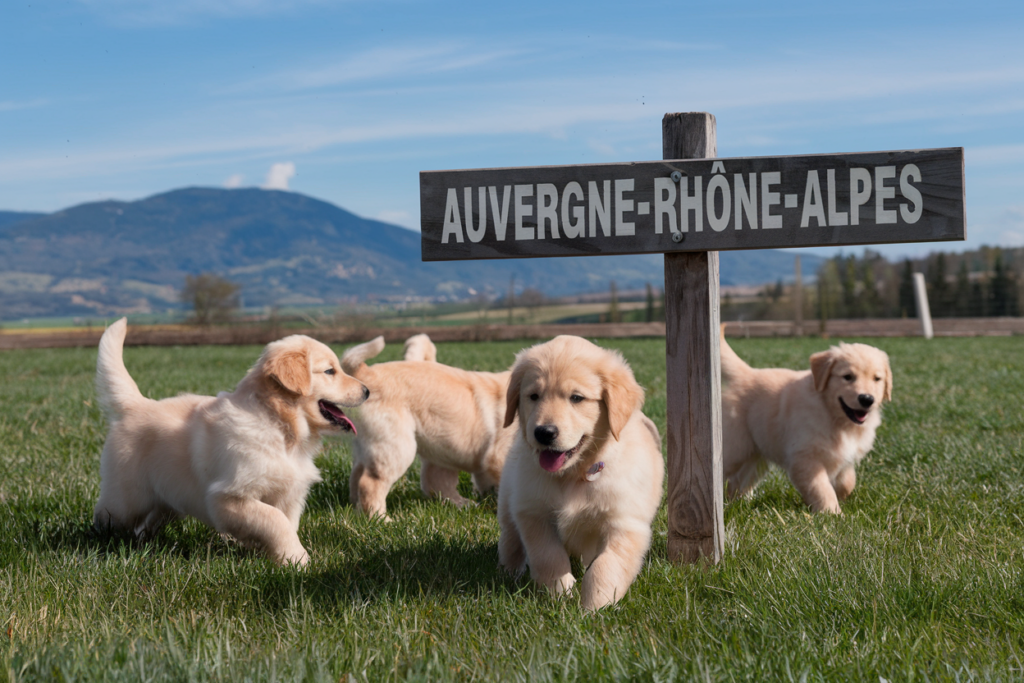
(689, 206)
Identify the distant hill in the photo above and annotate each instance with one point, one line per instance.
(284, 249)
(10, 217)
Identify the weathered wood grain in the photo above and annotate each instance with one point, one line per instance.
(696, 531)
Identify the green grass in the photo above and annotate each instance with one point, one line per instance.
(921, 579)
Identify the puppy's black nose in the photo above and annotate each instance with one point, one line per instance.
(866, 400)
(366, 393)
(545, 434)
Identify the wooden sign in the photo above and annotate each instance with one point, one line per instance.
(694, 205)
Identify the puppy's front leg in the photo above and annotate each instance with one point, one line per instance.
(612, 572)
(253, 522)
(845, 481)
(811, 480)
(545, 553)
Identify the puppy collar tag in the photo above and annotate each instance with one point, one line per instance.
(595, 471)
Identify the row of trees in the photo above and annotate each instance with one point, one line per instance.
(979, 283)
(973, 284)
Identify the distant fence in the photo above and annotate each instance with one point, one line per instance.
(192, 336)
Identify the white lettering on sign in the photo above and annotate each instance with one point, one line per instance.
(522, 211)
(623, 206)
(475, 234)
(452, 220)
(600, 209)
(834, 217)
(770, 199)
(746, 203)
(883, 215)
(691, 202)
(500, 211)
(547, 209)
(664, 204)
(860, 192)
(606, 208)
(814, 207)
(719, 184)
(910, 192)
(570, 228)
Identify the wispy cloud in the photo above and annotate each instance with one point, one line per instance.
(378, 64)
(27, 104)
(162, 12)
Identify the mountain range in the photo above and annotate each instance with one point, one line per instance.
(283, 248)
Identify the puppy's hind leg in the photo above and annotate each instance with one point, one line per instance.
(511, 552)
(742, 479)
(441, 482)
(379, 464)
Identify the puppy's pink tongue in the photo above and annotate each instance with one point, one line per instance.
(552, 461)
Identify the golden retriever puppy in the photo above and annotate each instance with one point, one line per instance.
(241, 462)
(815, 424)
(419, 347)
(453, 418)
(584, 475)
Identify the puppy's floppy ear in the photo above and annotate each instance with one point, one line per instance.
(290, 369)
(622, 396)
(515, 385)
(821, 368)
(887, 396)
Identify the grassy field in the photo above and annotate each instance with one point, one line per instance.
(921, 579)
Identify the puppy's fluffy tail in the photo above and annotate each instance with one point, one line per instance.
(419, 348)
(115, 388)
(733, 366)
(355, 358)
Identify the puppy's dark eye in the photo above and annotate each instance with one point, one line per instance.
(329, 371)
(848, 377)
(878, 379)
(534, 397)
(576, 398)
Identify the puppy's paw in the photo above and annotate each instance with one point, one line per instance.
(296, 558)
(561, 585)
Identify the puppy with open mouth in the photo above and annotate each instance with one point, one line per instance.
(584, 474)
(816, 424)
(241, 462)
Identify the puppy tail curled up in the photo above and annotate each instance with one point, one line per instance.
(733, 367)
(355, 358)
(116, 389)
(419, 348)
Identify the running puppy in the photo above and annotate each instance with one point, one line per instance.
(453, 418)
(584, 474)
(241, 462)
(815, 424)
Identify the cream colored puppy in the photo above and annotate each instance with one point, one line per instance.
(584, 475)
(815, 424)
(241, 462)
(453, 418)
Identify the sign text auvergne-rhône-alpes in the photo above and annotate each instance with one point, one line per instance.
(693, 205)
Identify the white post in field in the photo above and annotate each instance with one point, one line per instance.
(924, 314)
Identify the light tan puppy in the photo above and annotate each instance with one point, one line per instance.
(241, 462)
(453, 418)
(584, 475)
(815, 424)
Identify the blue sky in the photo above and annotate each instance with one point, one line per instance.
(348, 101)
